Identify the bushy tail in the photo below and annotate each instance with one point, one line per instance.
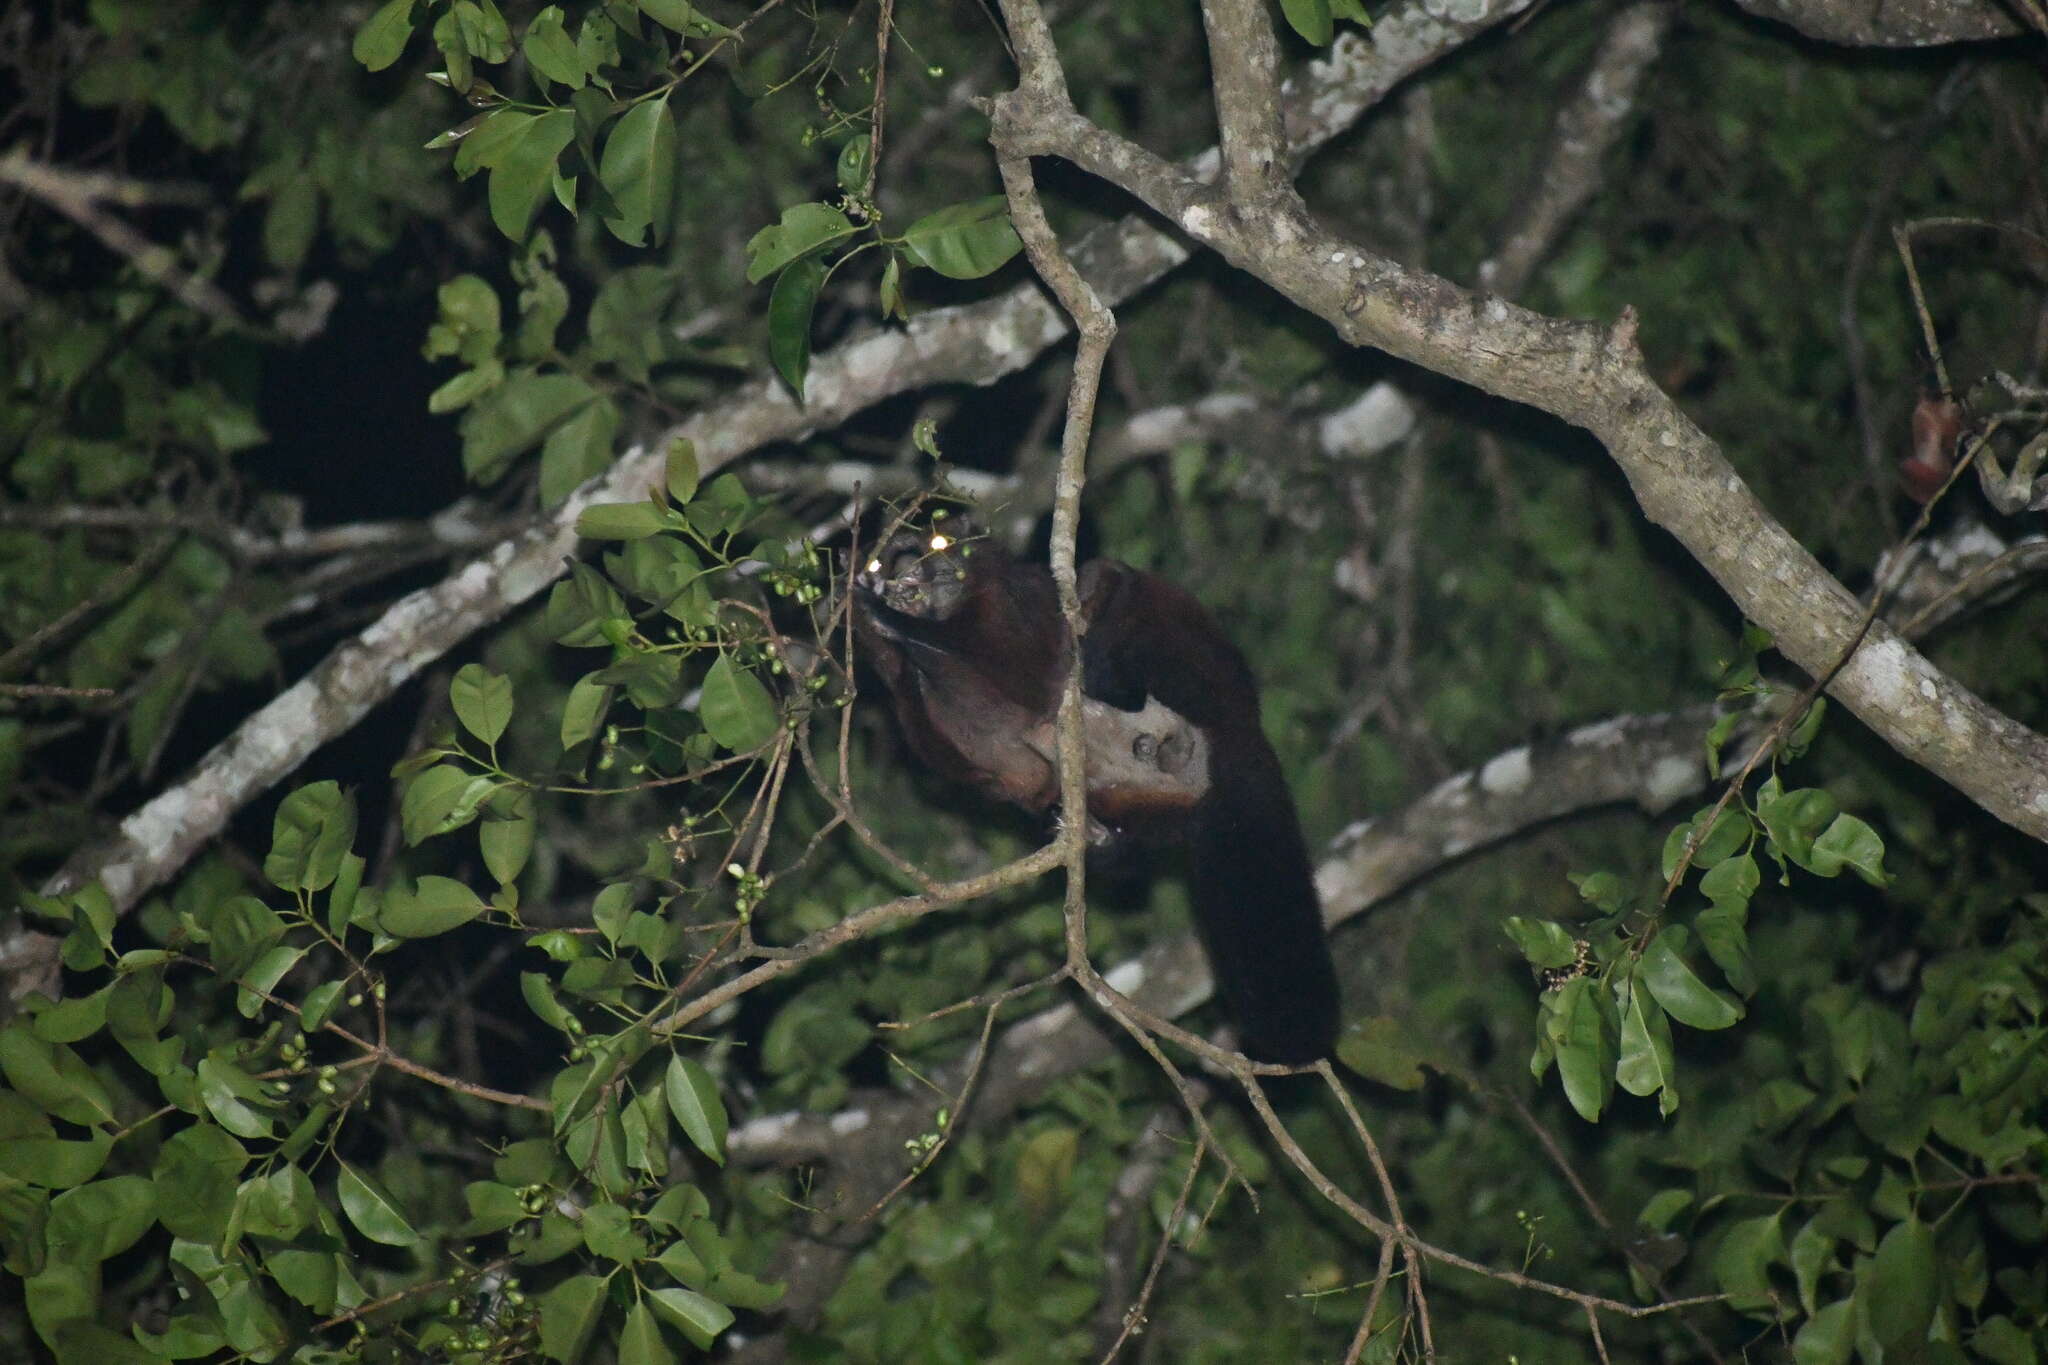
(1255, 900)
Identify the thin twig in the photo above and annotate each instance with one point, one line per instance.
(877, 116)
(1134, 1316)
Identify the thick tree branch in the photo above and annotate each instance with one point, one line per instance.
(1594, 377)
(1902, 23)
(1243, 64)
(1568, 172)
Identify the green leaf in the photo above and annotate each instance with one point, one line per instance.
(854, 159)
(1999, 1340)
(1725, 935)
(53, 1078)
(1741, 1262)
(1717, 736)
(278, 1205)
(964, 241)
(198, 1169)
(666, 572)
(1645, 1066)
(290, 222)
(442, 798)
(512, 418)
(55, 1163)
(1812, 1255)
(638, 169)
(597, 43)
(1849, 842)
(482, 701)
(231, 1095)
(620, 521)
(551, 51)
(608, 1232)
(382, 40)
(693, 1098)
(1903, 1286)
(488, 144)
(1730, 833)
(577, 449)
(790, 305)
(490, 36)
(524, 175)
(470, 307)
(375, 1214)
(311, 1276)
(93, 1222)
(1663, 1206)
(892, 289)
(736, 709)
(568, 1315)
(492, 1207)
(681, 470)
(696, 1317)
(506, 844)
(72, 1018)
(651, 680)
(585, 710)
(640, 1340)
(1730, 882)
(261, 979)
(683, 1264)
(610, 911)
(678, 1206)
(242, 929)
(580, 608)
(804, 228)
(674, 15)
(1795, 819)
(318, 1006)
(683, 18)
(436, 906)
(1802, 736)
(1578, 1027)
(93, 911)
(1379, 1048)
(560, 945)
(1683, 995)
(1602, 890)
(1545, 943)
(312, 833)
(1828, 1337)
(1310, 18)
(341, 901)
(721, 507)
(539, 994)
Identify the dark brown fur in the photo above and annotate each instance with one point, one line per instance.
(974, 651)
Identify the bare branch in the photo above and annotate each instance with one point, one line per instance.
(1911, 23)
(1243, 63)
(1568, 173)
(80, 195)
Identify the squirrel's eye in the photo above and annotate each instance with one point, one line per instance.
(874, 566)
(940, 542)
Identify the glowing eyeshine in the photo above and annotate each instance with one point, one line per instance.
(874, 566)
(941, 542)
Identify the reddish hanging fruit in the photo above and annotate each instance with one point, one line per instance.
(1937, 422)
